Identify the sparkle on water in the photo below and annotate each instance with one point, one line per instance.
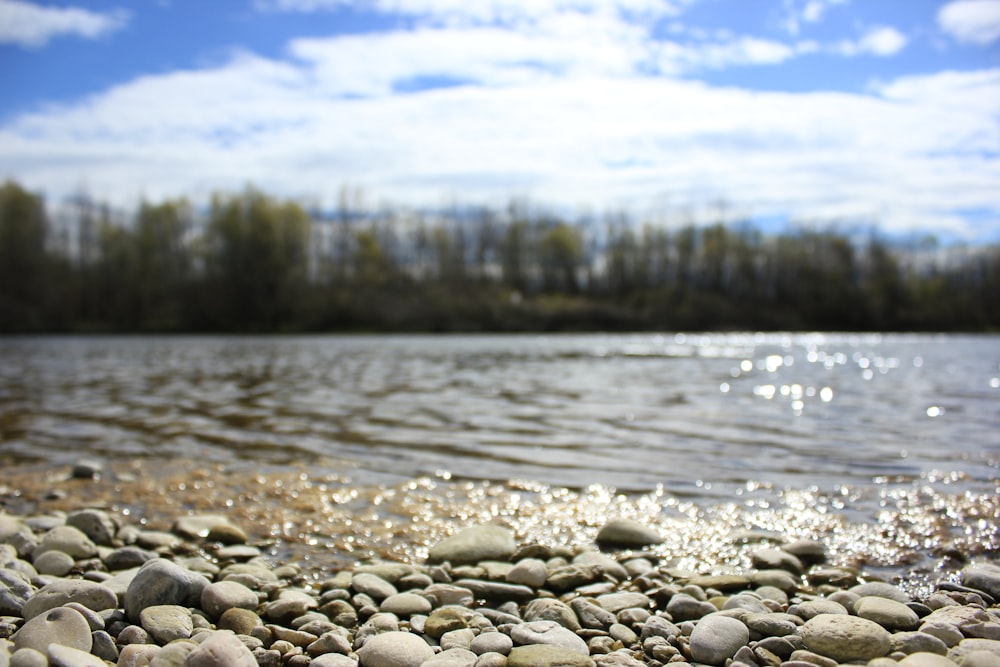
(326, 523)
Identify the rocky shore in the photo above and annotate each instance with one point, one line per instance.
(92, 587)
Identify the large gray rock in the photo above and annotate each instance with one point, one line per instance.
(845, 638)
(717, 638)
(395, 649)
(627, 533)
(62, 625)
(62, 591)
(160, 582)
(474, 544)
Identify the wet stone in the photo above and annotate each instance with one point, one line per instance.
(474, 544)
(627, 533)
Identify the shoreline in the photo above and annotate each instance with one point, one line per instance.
(199, 585)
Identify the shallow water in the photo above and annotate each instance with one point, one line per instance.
(887, 443)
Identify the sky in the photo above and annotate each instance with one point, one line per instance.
(877, 112)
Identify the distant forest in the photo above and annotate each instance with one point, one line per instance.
(252, 263)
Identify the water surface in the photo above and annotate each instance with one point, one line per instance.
(676, 426)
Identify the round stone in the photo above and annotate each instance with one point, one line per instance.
(240, 621)
(218, 597)
(717, 638)
(528, 572)
(548, 632)
(69, 540)
(221, 649)
(491, 642)
(627, 533)
(926, 660)
(65, 656)
(160, 582)
(845, 638)
(474, 544)
(395, 649)
(54, 563)
(62, 625)
(167, 622)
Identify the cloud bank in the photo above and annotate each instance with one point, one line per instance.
(589, 111)
(971, 21)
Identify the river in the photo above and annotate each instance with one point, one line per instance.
(746, 430)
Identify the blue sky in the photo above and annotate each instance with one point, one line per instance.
(848, 111)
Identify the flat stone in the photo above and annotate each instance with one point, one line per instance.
(888, 613)
(406, 604)
(615, 602)
(329, 642)
(452, 657)
(65, 656)
(627, 533)
(845, 638)
(984, 578)
(807, 551)
(926, 660)
(717, 638)
(495, 590)
(967, 647)
(474, 544)
(813, 608)
(568, 577)
(592, 615)
(160, 582)
(542, 655)
(882, 590)
(548, 632)
(61, 625)
(127, 558)
(221, 649)
(62, 591)
(684, 607)
(394, 649)
(333, 660)
(722, 582)
(609, 567)
(167, 622)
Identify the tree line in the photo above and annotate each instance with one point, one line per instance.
(250, 262)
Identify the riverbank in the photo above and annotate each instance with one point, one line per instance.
(309, 571)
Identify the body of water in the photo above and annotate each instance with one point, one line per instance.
(673, 426)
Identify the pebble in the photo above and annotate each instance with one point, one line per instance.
(167, 622)
(717, 638)
(67, 539)
(845, 638)
(395, 649)
(548, 632)
(161, 581)
(221, 649)
(57, 626)
(887, 613)
(627, 533)
(474, 544)
(479, 601)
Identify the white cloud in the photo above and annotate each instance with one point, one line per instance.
(971, 21)
(811, 11)
(878, 41)
(32, 25)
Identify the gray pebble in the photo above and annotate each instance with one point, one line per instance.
(717, 638)
(221, 649)
(57, 626)
(395, 649)
(160, 582)
(548, 632)
(491, 642)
